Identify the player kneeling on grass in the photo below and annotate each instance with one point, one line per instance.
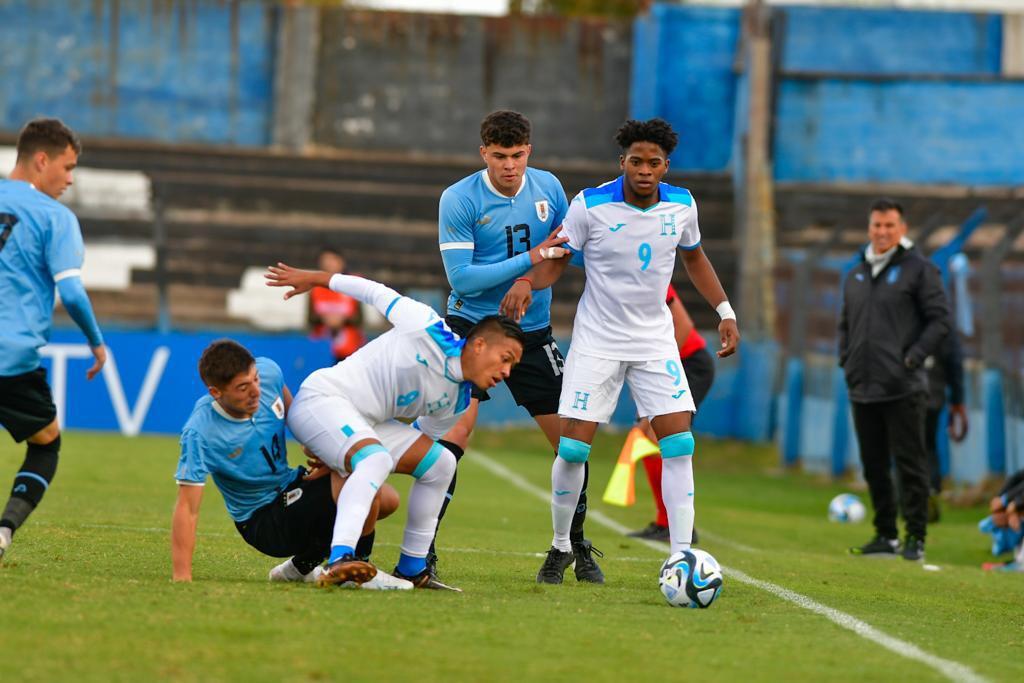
(236, 433)
(346, 414)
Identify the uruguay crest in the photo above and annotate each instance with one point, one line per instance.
(542, 209)
(278, 407)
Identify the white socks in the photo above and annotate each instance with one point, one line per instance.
(357, 495)
(677, 491)
(566, 484)
(425, 499)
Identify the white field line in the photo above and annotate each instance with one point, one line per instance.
(954, 671)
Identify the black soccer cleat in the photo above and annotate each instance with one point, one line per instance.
(651, 532)
(432, 564)
(879, 546)
(425, 579)
(586, 567)
(554, 566)
(913, 549)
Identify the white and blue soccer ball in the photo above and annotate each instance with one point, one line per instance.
(691, 578)
(846, 508)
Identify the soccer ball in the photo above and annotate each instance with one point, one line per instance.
(691, 578)
(846, 507)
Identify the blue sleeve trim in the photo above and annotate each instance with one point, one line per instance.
(391, 305)
(76, 301)
(467, 278)
(689, 248)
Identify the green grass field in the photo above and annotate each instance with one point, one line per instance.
(86, 589)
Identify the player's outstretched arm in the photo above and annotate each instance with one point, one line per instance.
(183, 530)
(76, 301)
(702, 275)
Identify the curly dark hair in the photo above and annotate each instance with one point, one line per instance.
(505, 129)
(658, 131)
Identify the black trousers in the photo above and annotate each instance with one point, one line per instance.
(891, 431)
(931, 439)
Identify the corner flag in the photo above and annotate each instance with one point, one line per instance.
(621, 488)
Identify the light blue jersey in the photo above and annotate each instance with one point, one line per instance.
(484, 238)
(246, 457)
(40, 247)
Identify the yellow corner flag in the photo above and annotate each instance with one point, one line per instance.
(621, 488)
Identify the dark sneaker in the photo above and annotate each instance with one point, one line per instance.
(432, 564)
(426, 580)
(913, 549)
(346, 570)
(651, 532)
(554, 566)
(934, 509)
(878, 546)
(586, 566)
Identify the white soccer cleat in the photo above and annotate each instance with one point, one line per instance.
(386, 582)
(5, 540)
(286, 572)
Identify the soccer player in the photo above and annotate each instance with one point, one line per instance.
(236, 434)
(629, 231)
(493, 227)
(346, 414)
(40, 247)
(699, 369)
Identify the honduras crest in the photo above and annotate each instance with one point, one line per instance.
(543, 210)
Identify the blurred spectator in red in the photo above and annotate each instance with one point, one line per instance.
(335, 315)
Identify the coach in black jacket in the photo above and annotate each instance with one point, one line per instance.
(894, 315)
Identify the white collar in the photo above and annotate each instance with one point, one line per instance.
(219, 409)
(490, 185)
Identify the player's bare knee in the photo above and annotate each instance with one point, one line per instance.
(359, 451)
(389, 501)
(45, 435)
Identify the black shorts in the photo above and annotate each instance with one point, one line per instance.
(700, 373)
(536, 383)
(304, 525)
(26, 404)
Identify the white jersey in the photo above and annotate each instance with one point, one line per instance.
(629, 255)
(411, 371)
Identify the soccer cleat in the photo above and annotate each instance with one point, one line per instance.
(432, 564)
(586, 567)
(5, 540)
(346, 570)
(651, 532)
(426, 580)
(1012, 566)
(878, 546)
(286, 571)
(555, 565)
(385, 582)
(913, 549)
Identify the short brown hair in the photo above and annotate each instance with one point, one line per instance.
(46, 135)
(505, 129)
(222, 361)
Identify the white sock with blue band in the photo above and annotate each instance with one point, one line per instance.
(566, 485)
(433, 474)
(370, 467)
(677, 487)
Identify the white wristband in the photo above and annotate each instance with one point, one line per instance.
(552, 253)
(725, 311)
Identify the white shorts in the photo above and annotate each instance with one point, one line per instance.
(330, 425)
(591, 387)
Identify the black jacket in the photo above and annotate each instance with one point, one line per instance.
(889, 325)
(946, 369)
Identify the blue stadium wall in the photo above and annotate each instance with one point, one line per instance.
(174, 72)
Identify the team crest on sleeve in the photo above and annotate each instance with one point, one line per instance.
(278, 407)
(543, 209)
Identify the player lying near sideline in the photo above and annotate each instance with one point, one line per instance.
(699, 369)
(629, 231)
(40, 248)
(493, 226)
(236, 434)
(346, 414)
(1006, 509)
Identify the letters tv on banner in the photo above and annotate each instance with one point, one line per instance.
(151, 380)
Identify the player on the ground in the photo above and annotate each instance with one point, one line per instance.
(494, 225)
(236, 434)
(346, 414)
(40, 247)
(629, 231)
